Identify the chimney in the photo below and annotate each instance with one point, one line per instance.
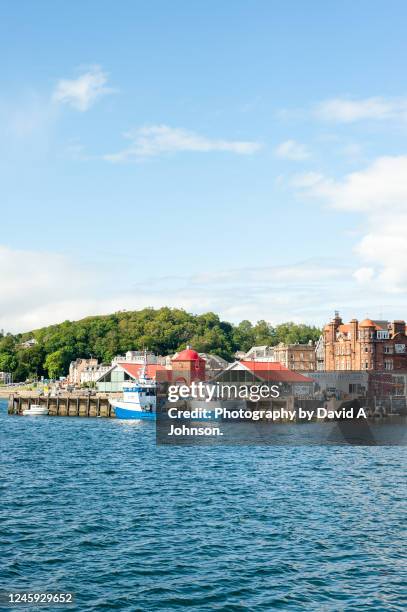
(398, 327)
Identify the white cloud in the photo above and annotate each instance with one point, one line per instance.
(292, 150)
(40, 288)
(382, 186)
(347, 110)
(363, 275)
(40, 294)
(32, 281)
(384, 246)
(307, 179)
(155, 140)
(379, 192)
(353, 152)
(81, 93)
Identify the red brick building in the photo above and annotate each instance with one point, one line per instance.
(368, 345)
(187, 367)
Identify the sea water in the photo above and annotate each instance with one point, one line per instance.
(93, 506)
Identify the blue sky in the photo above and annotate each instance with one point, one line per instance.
(243, 157)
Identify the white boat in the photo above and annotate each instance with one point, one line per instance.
(35, 410)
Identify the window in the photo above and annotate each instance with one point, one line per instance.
(382, 335)
(388, 349)
(388, 364)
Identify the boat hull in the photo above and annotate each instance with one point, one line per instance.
(132, 412)
(30, 412)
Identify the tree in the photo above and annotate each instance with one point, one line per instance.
(292, 333)
(164, 331)
(264, 334)
(243, 336)
(31, 360)
(56, 363)
(7, 362)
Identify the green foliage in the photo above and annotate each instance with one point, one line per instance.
(291, 333)
(163, 331)
(57, 363)
(244, 336)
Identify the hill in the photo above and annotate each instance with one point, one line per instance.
(164, 331)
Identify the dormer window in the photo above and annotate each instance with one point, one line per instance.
(382, 335)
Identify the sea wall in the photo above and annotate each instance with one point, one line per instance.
(65, 405)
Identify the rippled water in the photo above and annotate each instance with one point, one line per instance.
(94, 507)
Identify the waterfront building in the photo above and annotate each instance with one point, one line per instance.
(258, 353)
(320, 353)
(138, 357)
(6, 378)
(277, 372)
(367, 345)
(213, 364)
(341, 383)
(183, 367)
(77, 367)
(112, 380)
(299, 357)
(291, 385)
(293, 356)
(92, 373)
(188, 366)
(387, 389)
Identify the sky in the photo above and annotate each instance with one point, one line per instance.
(244, 157)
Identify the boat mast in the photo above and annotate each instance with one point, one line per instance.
(143, 373)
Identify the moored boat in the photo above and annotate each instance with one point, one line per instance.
(139, 398)
(35, 410)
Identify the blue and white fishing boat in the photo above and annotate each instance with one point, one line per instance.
(139, 400)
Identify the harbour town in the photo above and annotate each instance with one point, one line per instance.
(364, 362)
(203, 306)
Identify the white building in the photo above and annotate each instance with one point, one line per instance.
(6, 378)
(77, 367)
(92, 373)
(260, 353)
(320, 353)
(29, 343)
(137, 357)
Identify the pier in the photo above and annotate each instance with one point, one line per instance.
(64, 405)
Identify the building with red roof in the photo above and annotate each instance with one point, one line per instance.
(274, 372)
(112, 380)
(188, 366)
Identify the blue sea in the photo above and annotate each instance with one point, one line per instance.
(94, 507)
